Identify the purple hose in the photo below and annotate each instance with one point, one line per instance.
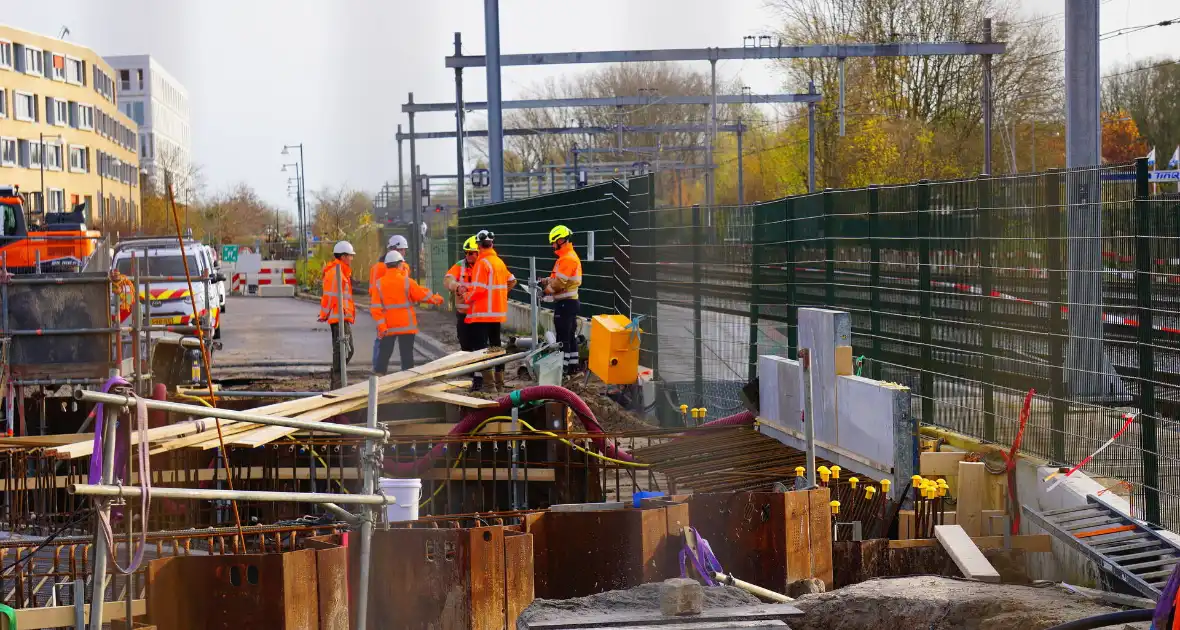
(121, 444)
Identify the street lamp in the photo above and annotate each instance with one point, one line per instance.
(302, 174)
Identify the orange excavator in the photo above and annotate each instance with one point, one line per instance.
(62, 244)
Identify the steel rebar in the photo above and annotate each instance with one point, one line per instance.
(133, 492)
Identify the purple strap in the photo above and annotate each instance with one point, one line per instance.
(120, 442)
(1165, 608)
(703, 561)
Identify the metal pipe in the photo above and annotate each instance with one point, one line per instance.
(808, 413)
(491, 17)
(811, 142)
(134, 492)
(401, 184)
(513, 445)
(228, 414)
(137, 325)
(99, 572)
(367, 487)
(987, 100)
(64, 280)
(79, 604)
(61, 331)
(840, 67)
(741, 191)
(345, 515)
(483, 365)
(234, 393)
(460, 194)
(59, 381)
(341, 328)
(534, 307)
(711, 173)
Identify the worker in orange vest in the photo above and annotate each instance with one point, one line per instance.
(458, 279)
(335, 300)
(487, 303)
(392, 305)
(397, 243)
(562, 285)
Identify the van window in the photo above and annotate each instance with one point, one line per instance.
(171, 265)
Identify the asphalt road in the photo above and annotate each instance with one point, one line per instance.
(281, 335)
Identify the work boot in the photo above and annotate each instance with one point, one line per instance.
(476, 383)
(499, 379)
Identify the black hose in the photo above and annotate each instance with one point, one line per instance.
(1108, 619)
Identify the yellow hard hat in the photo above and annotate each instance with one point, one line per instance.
(470, 245)
(560, 231)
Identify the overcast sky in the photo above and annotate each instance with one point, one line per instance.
(333, 74)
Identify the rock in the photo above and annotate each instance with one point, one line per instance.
(681, 596)
(642, 598)
(806, 586)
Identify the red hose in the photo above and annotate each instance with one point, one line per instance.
(504, 404)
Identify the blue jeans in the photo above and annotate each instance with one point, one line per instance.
(376, 351)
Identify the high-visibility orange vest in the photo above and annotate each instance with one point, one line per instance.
(330, 300)
(461, 272)
(488, 298)
(567, 273)
(378, 270)
(393, 300)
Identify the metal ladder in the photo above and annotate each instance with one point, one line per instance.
(1120, 545)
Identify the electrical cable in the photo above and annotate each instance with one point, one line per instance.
(79, 516)
(206, 358)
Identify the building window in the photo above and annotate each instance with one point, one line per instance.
(52, 154)
(6, 54)
(57, 67)
(34, 61)
(79, 159)
(25, 105)
(57, 200)
(30, 153)
(57, 111)
(3, 103)
(86, 117)
(74, 71)
(139, 75)
(7, 151)
(137, 112)
(125, 80)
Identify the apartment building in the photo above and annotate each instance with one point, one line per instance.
(63, 141)
(158, 104)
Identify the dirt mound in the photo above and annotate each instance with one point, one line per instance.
(643, 598)
(936, 603)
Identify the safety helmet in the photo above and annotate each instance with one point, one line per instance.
(394, 257)
(560, 231)
(485, 235)
(470, 245)
(344, 247)
(397, 241)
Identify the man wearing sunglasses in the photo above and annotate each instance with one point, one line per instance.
(487, 302)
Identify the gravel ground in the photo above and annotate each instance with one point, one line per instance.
(643, 598)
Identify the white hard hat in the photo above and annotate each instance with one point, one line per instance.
(393, 258)
(343, 247)
(397, 241)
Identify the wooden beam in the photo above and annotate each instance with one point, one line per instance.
(502, 474)
(972, 493)
(63, 616)
(940, 464)
(1034, 543)
(469, 402)
(443, 428)
(966, 555)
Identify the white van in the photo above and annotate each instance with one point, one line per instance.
(170, 301)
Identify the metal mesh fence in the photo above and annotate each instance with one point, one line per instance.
(970, 292)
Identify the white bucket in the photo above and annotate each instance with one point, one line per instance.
(406, 494)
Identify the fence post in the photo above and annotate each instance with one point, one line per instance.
(829, 249)
(875, 278)
(792, 294)
(1058, 333)
(984, 222)
(1143, 268)
(926, 304)
(697, 349)
(756, 260)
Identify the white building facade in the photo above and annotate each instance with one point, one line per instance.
(158, 103)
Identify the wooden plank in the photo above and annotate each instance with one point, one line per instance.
(940, 464)
(63, 616)
(991, 522)
(971, 495)
(905, 524)
(796, 525)
(469, 402)
(820, 535)
(1032, 543)
(356, 393)
(966, 555)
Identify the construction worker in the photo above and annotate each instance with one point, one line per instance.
(397, 243)
(457, 280)
(562, 285)
(487, 304)
(337, 301)
(392, 305)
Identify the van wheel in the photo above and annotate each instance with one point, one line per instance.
(223, 305)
